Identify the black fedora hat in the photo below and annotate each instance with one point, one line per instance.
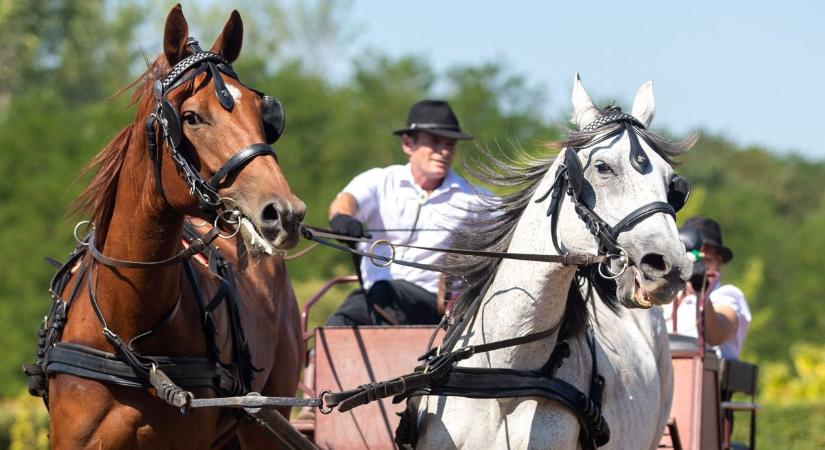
(708, 232)
(436, 117)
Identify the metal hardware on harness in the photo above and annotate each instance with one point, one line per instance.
(623, 260)
(372, 250)
(324, 408)
(255, 400)
(77, 238)
(233, 214)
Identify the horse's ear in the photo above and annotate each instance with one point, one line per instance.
(644, 106)
(584, 111)
(174, 36)
(228, 44)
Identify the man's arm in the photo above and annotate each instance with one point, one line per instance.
(343, 204)
(342, 219)
(720, 323)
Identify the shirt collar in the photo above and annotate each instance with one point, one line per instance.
(450, 182)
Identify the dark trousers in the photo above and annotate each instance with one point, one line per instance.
(388, 302)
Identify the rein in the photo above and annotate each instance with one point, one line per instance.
(321, 236)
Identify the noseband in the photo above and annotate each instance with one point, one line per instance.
(165, 114)
(570, 181)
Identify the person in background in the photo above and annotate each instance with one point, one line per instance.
(727, 316)
(415, 204)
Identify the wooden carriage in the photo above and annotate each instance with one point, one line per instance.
(346, 357)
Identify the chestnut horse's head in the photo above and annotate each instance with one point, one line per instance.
(219, 165)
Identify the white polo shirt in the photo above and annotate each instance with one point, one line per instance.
(722, 295)
(389, 199)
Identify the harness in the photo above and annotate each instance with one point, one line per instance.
(127, 367)
(440, 375)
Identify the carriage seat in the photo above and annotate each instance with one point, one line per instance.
(738, 377)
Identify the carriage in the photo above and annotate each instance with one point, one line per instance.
(346, 357)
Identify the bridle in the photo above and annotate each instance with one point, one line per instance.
(209, 200)
(570, 182)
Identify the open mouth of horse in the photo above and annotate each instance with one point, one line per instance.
(255, 241)
(640, 295)
(644, 292)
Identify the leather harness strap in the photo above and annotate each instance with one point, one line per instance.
(127, 367)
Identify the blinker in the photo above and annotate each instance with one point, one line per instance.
(678, 192)
(575, 173)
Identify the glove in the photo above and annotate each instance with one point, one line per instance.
(347, 226)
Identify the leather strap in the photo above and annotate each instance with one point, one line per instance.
(87, 362)
(238, 160)
(197, 246)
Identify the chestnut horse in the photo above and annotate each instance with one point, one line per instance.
(144, 188)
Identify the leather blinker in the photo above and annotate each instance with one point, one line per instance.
(172, 122)
(678, 192)
(273, 117)
(575, 173)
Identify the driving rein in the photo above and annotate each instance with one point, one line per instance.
(440, 375)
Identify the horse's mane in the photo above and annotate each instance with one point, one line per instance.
(97, 200)
(494, 232)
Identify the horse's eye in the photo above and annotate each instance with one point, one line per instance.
(602, 168)
(192, 119)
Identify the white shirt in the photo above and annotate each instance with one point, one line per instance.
(722, 295)
(389, 199)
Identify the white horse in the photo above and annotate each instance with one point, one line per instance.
(524, 297)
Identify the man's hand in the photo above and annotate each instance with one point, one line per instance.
(347, 226)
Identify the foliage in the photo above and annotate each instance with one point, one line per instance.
(62, 59)
(24, 423)
(806, 380)
(795, 426)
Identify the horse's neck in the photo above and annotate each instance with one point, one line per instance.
(141, 229)
(525, 297)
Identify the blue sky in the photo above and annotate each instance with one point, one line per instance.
(750, 72)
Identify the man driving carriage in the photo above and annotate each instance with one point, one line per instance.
(727, 316)
(412, 204)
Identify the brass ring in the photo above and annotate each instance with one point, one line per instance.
(375, 244)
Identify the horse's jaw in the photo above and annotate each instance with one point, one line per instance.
(634, 290)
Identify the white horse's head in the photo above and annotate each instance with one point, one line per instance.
(619, 184)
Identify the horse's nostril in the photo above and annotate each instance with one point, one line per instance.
(269, 214)
(655, 261)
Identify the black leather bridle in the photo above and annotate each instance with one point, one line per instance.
(165, 114)
(570, 182)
